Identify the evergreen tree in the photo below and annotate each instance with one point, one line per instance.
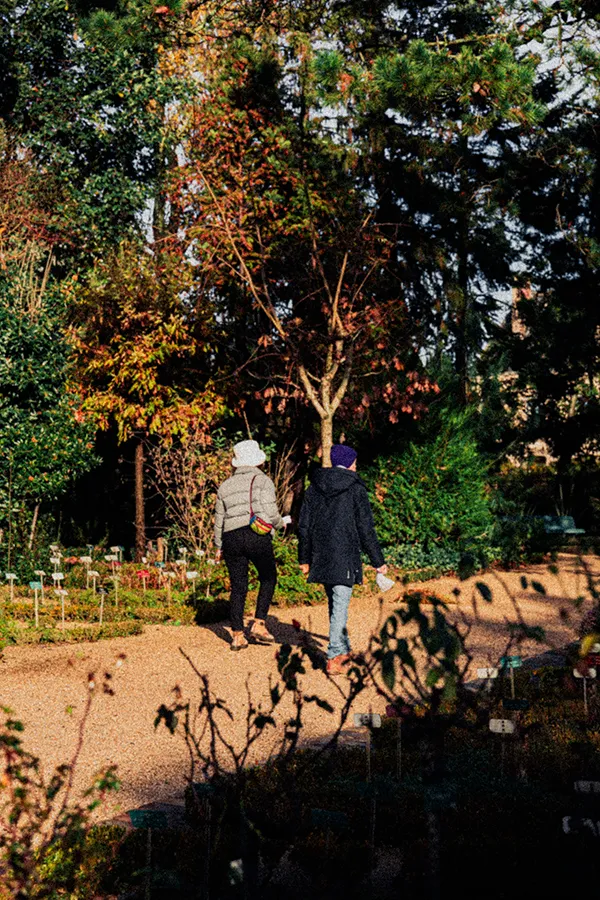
(553, 351)
(443, 102)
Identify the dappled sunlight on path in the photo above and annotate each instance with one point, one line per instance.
(47, 685)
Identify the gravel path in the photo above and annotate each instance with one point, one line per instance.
(47, 686)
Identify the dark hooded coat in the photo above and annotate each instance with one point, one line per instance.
(335, 526)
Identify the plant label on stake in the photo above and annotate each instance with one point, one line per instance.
(587, 787)
(55, 560)
(576, 825)
(169, 576)
(102, 592)
(182, 564)
(591, 673)
(191, 576)
(115, 581)
(502, 727)
(143, 575)
(94, 576)
(87, 561)
(392, 712)
(488, 674)
(57, 577)
(511, 663)
(62, 594)
(117, 552)
(149, 819)
(209, 562)
(368, 721)
(11, 578)
(111, 558)
(517, 704)
(35, 587)
(41, 574)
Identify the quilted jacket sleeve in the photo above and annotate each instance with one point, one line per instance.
(267, 507)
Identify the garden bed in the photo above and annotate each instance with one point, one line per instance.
(325, 823)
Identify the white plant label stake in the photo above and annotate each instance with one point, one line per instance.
(169, 576)
(587, 787)
(143, 574)
(502, 727)
(87, 561)
(511, 663)
(102, 593)
(488, 674)
(115, 580)
(40, 574)
(369, 721)
(94, 576)
(57, 577)
(11, 578)
(591, 673)
(62, 594)
(112, 558)
(35, 587)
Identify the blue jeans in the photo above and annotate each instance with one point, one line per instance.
(339, 600)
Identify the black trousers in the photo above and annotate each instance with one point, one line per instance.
(239, 548)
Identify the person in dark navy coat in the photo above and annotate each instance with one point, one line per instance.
(335, 527)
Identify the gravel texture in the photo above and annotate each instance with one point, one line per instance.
(47, 686)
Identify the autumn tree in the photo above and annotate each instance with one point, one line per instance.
(272, 215)
(138, 356)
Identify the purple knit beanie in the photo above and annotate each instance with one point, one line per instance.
(342, 455)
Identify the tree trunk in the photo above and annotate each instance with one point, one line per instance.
(326, 441)
(140, 516)
(34, 522)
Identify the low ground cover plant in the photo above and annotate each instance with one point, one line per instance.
(121, 597)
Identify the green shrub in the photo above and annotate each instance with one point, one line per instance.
(13, 633)
(292, 586)
(414, 557)
(431, 503)
(519, 539)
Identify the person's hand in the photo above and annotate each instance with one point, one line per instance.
(287, 520)
(304, 568)
(218, 555)
(382, 570)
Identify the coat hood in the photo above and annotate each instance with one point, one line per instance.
(333, 482)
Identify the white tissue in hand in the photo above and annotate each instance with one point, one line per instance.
(383, 582)
(287, 520)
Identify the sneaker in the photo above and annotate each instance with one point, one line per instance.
(239, 642)
(259, 632)
(336, 665)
